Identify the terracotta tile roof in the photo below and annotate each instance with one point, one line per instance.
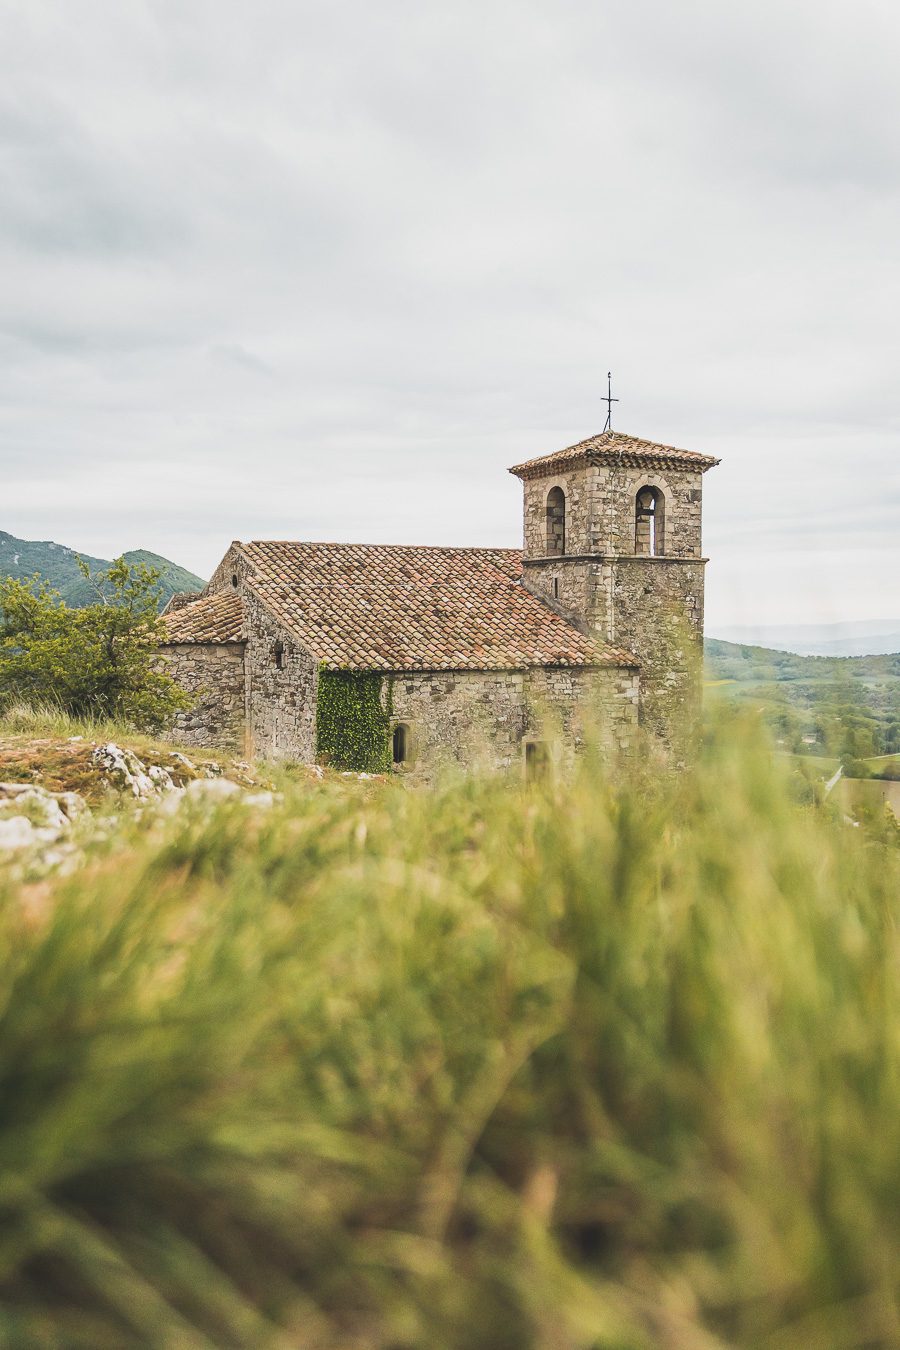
(387, 607)
(211, 618)
(617, 447)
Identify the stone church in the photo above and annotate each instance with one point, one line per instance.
(487, 656)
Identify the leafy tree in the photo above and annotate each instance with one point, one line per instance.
(97, 661)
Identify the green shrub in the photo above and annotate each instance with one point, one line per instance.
(589, 1066)
(96, 662)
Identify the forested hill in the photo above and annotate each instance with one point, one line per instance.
(850, 705)
(57, 564)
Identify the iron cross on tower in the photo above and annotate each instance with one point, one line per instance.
(609, 401)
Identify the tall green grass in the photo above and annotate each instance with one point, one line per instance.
(485, 1067)
(19, 718)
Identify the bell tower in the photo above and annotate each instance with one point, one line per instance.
(613, 542)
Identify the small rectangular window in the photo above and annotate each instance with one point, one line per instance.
(537, 760)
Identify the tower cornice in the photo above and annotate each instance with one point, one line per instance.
(555, 559)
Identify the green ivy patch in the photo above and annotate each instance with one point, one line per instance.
(353, 728)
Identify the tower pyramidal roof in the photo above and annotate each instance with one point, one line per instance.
(615, 447)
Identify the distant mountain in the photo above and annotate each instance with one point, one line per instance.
(56, 563)
(871, 637)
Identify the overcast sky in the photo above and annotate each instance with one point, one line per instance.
(324, 270)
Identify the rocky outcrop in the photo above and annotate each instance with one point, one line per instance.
(36, 824)
(128, 774)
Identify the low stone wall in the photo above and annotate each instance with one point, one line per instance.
(213, 675)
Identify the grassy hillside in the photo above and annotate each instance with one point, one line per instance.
(598, 1067)
(56, 563)
(850, 706)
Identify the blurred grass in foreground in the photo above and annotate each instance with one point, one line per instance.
(600, 1066)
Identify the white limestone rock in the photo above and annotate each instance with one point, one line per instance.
(211, 789)
(72, 803)
(123, 770)
(45, 809)
(128, 774)
(16, 832)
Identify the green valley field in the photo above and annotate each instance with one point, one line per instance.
(608, 1066)
(847, 708)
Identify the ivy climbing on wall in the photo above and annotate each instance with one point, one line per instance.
(353, 727)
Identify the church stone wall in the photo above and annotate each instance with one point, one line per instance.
(657, 613)
(651, 607)
(576, 588)
(282, 680)
(571, 705)
(614, 495)
(482, 719)
(231, 566)
(213, 675)
(600, 510)
(578, 488)
(460, 717)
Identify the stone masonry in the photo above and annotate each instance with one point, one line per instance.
(213, 675)
(484, 718)
(281, 689)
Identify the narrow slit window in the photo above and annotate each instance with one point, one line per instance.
(648, 522)
(401, 743)
(556, 521)
(278, 655)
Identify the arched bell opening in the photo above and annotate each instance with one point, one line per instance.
(649, 523)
